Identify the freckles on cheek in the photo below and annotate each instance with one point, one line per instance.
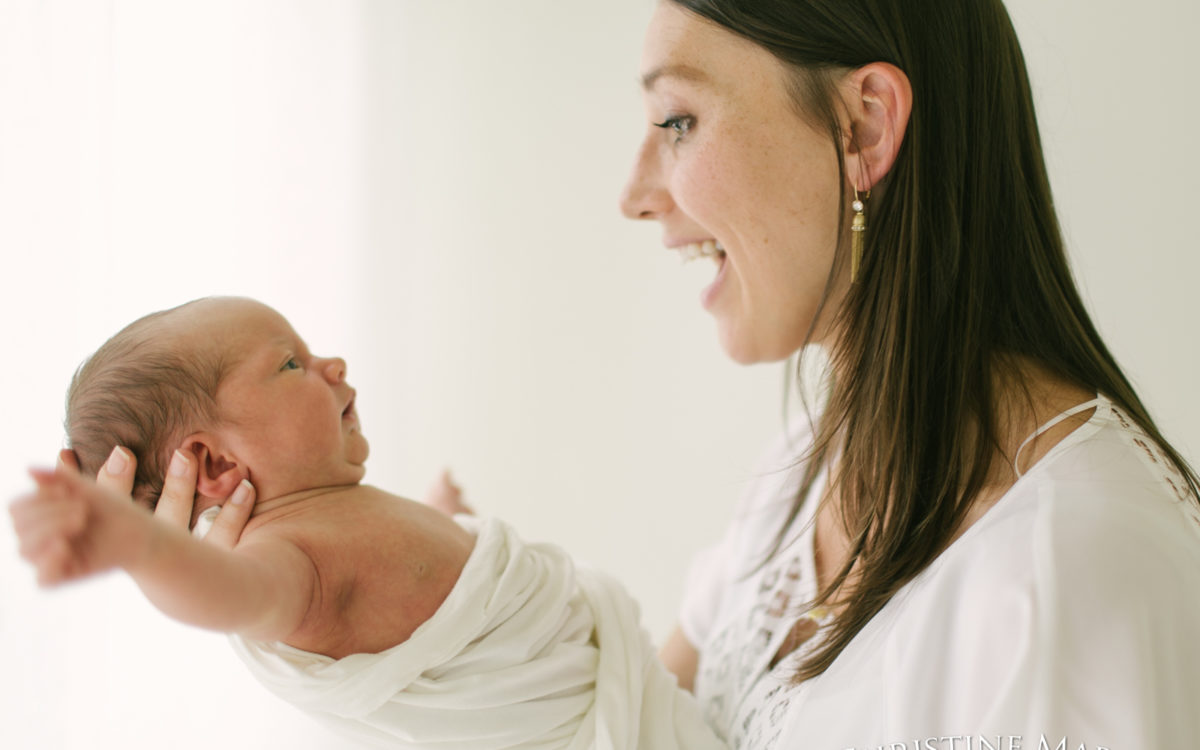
(701, 186)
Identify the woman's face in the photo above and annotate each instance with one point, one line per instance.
(728, 162)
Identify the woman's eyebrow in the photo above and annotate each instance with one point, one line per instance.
(684, 72)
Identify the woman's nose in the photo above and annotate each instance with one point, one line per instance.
(645, 196)
(334, 369)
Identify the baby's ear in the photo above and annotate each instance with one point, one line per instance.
(219, 472)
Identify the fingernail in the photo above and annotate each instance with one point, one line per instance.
(117, 461)
(242, 493)
(179, 464)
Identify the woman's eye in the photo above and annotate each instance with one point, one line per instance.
(679, 124)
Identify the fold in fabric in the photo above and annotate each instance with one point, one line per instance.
(526, 652)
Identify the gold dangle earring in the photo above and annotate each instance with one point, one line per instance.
(857, 229)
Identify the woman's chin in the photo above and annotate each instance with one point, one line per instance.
(746, 350)
(741, 351)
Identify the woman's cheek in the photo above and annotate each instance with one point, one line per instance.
(706, 168)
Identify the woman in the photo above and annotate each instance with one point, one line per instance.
(985, 531)
(985, 541)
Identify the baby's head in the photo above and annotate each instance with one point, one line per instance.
(144, 389)
(228, 380)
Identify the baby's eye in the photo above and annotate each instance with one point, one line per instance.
(291, 364)
(681, 125)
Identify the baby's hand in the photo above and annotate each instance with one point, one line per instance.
(446, 496)
(70, 527)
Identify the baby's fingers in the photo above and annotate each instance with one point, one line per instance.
(61, 485)
(34, 520)
(445, 495)
(45, 527)
(52, 562)
(227, 528)
(179, 491)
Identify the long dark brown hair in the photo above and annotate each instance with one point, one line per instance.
(964, 277)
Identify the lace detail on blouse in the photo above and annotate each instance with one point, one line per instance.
(745, 692)
(743, 688)
(1159, 464)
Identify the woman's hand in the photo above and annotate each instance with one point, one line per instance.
(179, 489)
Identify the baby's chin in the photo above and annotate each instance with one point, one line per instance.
(359, 452)
(344, 476)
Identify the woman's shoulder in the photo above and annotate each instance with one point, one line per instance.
(1110, 469)
(1051, 614)
(1069, 609)
(1105, 504)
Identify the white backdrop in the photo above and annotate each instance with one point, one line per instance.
(429, 189)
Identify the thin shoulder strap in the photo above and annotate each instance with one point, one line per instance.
(1050, 425)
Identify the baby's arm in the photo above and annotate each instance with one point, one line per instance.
(71, 528)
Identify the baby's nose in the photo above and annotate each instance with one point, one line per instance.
(335, 369)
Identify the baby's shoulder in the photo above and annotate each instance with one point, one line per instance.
(383, 565)
(348, 534)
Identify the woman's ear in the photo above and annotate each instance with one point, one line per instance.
(878, 101)
(218, 471)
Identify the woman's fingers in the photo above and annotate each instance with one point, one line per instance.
(67, 458)
(117, 472)
(176, 502)
(179, 491)
(227, 528)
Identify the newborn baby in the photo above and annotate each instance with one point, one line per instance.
(393, 622)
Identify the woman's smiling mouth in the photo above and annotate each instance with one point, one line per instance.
(705, 249)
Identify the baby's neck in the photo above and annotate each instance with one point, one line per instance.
(273, 506)
(279, 503)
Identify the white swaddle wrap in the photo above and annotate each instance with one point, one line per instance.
(526, 652)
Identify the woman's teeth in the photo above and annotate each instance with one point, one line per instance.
(706, 249)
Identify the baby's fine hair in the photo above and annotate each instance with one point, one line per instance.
(142, 391)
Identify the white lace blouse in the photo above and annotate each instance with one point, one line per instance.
(1068, 617)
